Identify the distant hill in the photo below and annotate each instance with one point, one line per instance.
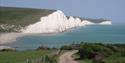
(95, 20)
(91, 20)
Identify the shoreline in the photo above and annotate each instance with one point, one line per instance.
(6, 38)
(9, 38)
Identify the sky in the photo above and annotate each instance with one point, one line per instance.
(109, 9)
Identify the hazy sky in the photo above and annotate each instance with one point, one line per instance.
(109, 9)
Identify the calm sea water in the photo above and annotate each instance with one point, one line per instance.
(93, 33)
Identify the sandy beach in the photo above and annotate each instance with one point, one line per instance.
(6, 38)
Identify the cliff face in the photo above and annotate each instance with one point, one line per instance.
(43, 20)
(106, 23)
(57, 22)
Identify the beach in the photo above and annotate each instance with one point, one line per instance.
(6, 38)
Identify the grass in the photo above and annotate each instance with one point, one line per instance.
(21, 16)
(85, 61)
(21, 56)
(99, 53)
(115, 58)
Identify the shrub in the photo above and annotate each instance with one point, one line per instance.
(66, 47)
(91, 50)
(7, 49)
(43, 48)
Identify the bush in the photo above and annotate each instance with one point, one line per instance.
(91, 50)
(66, 47)
(43, 48)
(8, 49)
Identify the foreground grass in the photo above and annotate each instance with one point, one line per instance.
(98, 52)
(102, 53)
(116, 58)
(85, 61)
(112, 59)
(21, 56)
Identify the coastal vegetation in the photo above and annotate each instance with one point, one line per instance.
(87, 53)
(101, 53)
(44, 56)
(20, 56)
(98, 52)
(41, 54)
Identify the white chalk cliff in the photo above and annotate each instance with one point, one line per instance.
(57, 22)
(105, 23)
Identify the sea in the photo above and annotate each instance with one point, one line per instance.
(109, 34)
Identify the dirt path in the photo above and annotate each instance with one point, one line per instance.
(67, 57)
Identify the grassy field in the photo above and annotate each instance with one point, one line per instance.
(21, 56)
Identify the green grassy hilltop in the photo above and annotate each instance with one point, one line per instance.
(21, 16)
(12, 18)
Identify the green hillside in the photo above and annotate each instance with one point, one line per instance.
(19, 17)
